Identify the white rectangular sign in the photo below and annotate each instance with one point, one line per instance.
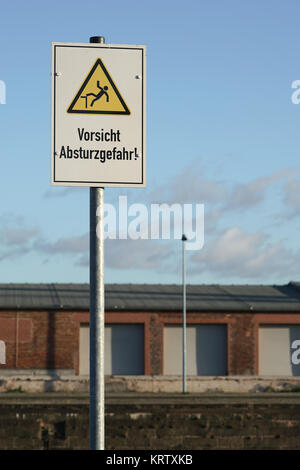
(98, 115)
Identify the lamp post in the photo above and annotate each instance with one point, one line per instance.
(184, 238)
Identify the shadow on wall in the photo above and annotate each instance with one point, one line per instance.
(50, 352)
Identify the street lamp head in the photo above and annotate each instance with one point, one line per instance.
(184, 238)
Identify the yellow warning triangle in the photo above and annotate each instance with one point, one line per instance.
(98, 94)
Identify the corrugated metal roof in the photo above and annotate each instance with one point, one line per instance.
(154, 297)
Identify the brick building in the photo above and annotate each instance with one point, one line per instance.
(231, 330)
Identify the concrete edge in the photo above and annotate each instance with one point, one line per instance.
(149, 384)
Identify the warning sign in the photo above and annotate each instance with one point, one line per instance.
(98, 115)
(98, 94)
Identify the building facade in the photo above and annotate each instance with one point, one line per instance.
(231, 330)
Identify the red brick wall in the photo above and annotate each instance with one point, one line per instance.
(50, 340)
(242, 342)
(39, 340)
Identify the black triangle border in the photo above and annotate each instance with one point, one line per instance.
(98, 62)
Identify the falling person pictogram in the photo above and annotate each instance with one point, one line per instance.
(103, 91)
(98, 94)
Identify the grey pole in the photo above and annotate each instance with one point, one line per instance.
(97, 312)
(183, 316)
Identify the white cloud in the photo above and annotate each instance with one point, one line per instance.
(64, 245)
(16, 238)
(15, 253)
(17, 235)
(248, 195)
(194, 185)
(246, 255)
(191, 185)
(234, 245)
(138, 254)
(291, 197)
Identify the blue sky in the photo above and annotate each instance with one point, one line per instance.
(221, 131)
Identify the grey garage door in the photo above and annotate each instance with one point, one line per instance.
(206, 350)
(279, 348)
(124, 349)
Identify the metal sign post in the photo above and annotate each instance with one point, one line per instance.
(97, 324)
